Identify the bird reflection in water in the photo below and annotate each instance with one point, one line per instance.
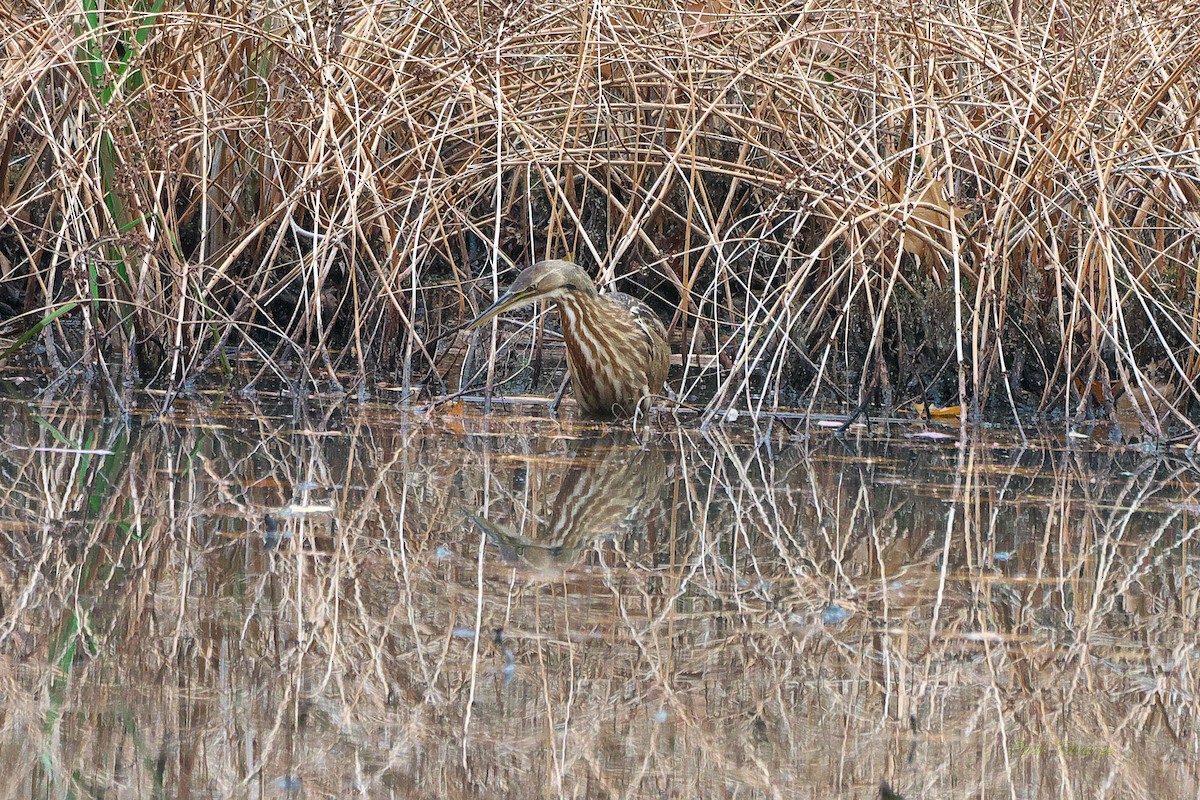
(605, 493)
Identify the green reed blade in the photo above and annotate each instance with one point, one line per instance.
(38, 327)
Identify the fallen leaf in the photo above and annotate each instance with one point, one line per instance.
(938, 411)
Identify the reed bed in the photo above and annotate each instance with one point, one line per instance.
(786, 619)
(987, 204)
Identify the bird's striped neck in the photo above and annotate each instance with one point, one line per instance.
(589, 351)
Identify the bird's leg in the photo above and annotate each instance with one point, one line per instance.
(861, 411)
(641, 412)
(558, 396)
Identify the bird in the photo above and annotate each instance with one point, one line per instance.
(606, 492)
(617, 349)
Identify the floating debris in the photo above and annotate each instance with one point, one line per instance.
(933, 435)
(298, 509)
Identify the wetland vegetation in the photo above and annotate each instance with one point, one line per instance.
(258, 539)
(989, 206)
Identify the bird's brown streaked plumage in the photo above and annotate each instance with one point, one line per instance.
(606, 487)
(617, 348)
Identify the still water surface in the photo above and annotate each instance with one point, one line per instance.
(307, 600)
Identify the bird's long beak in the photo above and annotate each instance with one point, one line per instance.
(505, 302)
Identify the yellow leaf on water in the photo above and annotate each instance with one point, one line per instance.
(942, 412)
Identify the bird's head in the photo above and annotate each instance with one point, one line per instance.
(545, 280)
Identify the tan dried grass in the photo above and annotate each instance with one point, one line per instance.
(995, 201)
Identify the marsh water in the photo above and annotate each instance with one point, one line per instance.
(304, 598)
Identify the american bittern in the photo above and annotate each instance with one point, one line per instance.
(608, 485)
(617, 349)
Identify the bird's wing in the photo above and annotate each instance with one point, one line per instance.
(658, 351)
(641, 312)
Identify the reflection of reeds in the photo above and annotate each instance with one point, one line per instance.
(843, 201)
(1001, 602)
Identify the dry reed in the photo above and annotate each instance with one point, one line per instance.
(986, 204)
